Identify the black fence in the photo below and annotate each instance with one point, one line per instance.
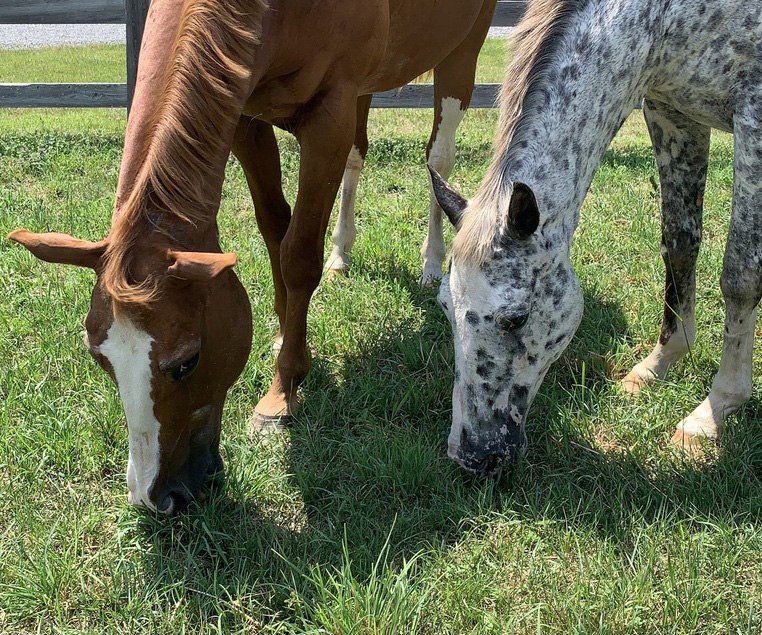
(133, 14)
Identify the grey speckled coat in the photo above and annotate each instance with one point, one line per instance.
(515, 302)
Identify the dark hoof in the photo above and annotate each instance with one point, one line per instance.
(264, 425)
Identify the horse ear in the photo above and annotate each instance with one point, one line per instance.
(61, 248)
(451, 202)
(199, 266)
(523, 212)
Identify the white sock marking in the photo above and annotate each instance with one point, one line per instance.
(658, 363)
(442, 159)
(344, 233)
(732, 385)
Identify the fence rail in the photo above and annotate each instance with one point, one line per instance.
(509, 12)
(132, 13)
(62, 12)
(115, 96)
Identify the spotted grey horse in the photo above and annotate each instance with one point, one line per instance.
(511, 295)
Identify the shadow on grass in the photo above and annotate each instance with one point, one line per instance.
(366, 457)
(637, 158)
(406, 151)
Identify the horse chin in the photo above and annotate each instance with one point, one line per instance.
(497, 447)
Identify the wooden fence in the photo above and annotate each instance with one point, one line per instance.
(132, 13)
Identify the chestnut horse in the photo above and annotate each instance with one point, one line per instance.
(169, 320)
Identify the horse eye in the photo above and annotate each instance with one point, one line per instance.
(511, 322)
(186, 368)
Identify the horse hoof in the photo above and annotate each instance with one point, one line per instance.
(338, 272)
(632, 384)
(691, 446)
(265, 425)
(429, 280)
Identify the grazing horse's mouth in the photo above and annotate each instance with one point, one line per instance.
(481, 466)
(485, 459)
(179, 493)
(486, 467)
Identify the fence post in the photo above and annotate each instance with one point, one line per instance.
(135, 12)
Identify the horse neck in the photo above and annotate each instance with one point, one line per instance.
(157, 46)
(189, 96)
(592, 83)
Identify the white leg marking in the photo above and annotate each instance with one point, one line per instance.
(127, 349)
(442, 159)
(731, 387)
(344, 233)
(658, 363)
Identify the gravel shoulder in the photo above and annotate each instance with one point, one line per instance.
(28, 36)
(42, 36)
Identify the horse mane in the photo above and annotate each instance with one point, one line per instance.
(208, 71)
(533, 45)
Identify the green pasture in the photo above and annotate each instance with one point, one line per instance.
(355, 521)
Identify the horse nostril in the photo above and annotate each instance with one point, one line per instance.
(173, 503)
(489, 464)
(167, 506)
(486, 465)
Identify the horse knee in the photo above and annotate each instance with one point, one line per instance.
(680, 250)
(302, 265)
(273, 221)
(442, 157)
(741, 287)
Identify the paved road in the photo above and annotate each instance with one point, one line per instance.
(39, 36)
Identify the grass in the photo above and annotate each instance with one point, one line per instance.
(356, 521)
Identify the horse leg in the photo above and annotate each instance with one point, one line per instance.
(453, 86)
(681, 147)
(344, 233)
(256, 149)
(741, 289)
(325, 135)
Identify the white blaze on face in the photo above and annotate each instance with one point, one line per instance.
(127, 349)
